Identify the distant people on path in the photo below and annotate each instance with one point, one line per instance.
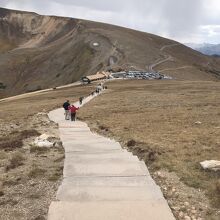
(92, 94)
(81, 100)
(102, 85)
(72, 110)
(66, 109)
(99, 88)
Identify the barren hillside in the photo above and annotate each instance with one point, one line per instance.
(38, 52)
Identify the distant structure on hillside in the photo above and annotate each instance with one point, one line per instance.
(98, 76)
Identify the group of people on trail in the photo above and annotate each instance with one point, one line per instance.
(100, 87)
(70, 111)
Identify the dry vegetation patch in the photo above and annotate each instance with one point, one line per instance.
(16, 160)
(15, 139)
(172, 125)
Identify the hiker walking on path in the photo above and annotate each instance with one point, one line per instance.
(98, 88)
(66, 109)
(102, 85)
(72, 110)
(81, 100)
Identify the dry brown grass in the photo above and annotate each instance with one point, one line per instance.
(216, 192)
(16, 160)
(36, 172)
(218, 187)
(1, 190)
(160, 116)
(15, 139)
(38, 150)
(56, 174)
(21, 108)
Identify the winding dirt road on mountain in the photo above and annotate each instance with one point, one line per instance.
(166, 58)
(152, 66)
(178, 68)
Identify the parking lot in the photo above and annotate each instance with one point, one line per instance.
(139, 75)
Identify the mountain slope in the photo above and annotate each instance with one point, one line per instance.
(38, 52)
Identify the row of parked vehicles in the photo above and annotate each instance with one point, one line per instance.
(123, 75)
(139, 75)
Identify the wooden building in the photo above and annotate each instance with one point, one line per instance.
(98, 76)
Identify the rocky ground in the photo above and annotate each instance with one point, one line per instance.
(30, 175)
(186, 202)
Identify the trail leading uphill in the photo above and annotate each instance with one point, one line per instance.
(102, 180)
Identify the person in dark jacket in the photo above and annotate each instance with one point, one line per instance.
(81, 100)
(72, 110)
(66, 109)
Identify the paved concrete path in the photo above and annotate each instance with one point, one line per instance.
(102, 181)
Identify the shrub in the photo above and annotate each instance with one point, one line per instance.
(15, 161)
(2, 86)
(38, 150)
(131, 143)
(15, 139)
(29, 133)
(1, 193)
(40, 217)
(102, 127)
(10, 144)
(54, 177)
(1, 190)
(217, 186)
(36, 172)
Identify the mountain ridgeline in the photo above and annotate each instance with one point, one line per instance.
(206, 48)
(38, 52)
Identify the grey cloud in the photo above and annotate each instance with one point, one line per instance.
(182, 17)
(179, 20)
(113, 5)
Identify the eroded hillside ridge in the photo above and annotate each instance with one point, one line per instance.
(38, 52)
(28, 30)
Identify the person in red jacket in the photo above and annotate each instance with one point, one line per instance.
(73, 110)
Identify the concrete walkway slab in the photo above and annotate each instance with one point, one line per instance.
(101, 180)
(88, 149)
(107, 193)
(92, 141)
(104, 157)
(131, 210)
(103, 169)
(99, 146)
(88, 139)
(109, 181)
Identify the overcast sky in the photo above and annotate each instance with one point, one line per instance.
(194, 21)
